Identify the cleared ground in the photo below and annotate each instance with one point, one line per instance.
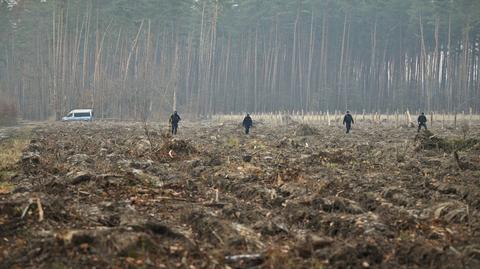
(116, 195)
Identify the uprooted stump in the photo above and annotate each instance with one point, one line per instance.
(305, 130)
(427, 140)
(174, 149)
(182, 147)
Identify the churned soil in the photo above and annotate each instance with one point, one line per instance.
(128, 195)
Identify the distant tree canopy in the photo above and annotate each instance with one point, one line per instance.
(135, 59)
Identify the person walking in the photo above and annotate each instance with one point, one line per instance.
(422, 121)
(348, 121)
(247, 123)
(174, 120)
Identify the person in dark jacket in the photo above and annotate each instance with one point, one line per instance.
(247, 123)
(174, 120)
(348, 121)
(422, 121)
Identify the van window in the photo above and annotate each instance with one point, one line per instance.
(83, 114)
(69, 115)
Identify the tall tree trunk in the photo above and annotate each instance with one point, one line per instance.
(310, 63)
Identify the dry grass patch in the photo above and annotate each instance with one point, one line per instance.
(5, 187)
(10, 154)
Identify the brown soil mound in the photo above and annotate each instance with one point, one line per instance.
(175, 149)
(305, 130)
(427, 140)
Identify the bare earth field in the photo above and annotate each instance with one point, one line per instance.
(118, 195)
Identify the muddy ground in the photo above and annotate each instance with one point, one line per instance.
(117, 195)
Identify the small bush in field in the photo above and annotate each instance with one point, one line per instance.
(8, 113)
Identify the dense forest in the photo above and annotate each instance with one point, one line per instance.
(140, 59)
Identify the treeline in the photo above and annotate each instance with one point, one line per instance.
(138, 59)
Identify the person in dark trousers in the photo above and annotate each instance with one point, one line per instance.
(174, 119)
(247, 123)
(348, 121)
(422, 121)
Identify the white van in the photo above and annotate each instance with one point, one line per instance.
(79, 115)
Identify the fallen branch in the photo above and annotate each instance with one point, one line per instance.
(40, 210)
(235, 258)
(217, 205)
(39, 207)
(25, 210)
(338, 193)
(218, 237)
(158, 199)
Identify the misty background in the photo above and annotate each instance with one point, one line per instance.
(142, 59)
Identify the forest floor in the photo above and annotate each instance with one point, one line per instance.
(118, 195)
